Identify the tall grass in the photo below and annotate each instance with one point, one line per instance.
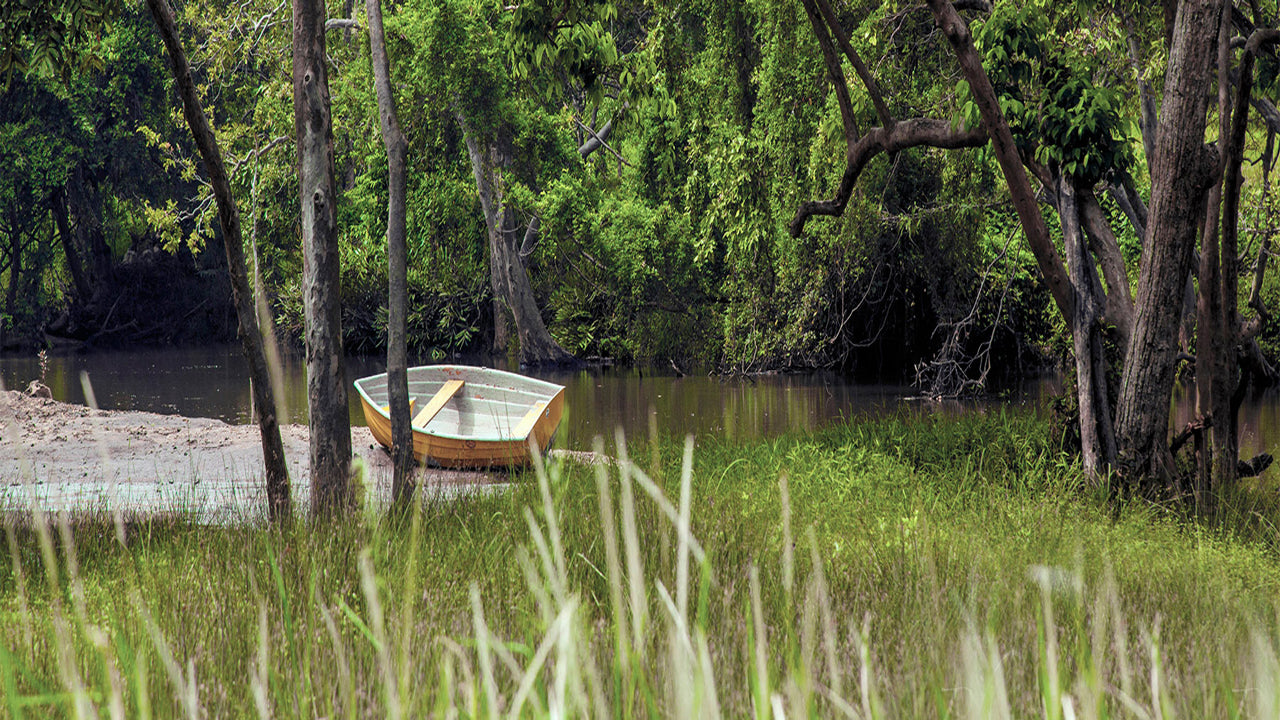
(904, 568)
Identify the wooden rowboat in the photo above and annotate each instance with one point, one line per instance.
(466, 416)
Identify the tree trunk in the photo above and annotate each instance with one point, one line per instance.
(1180, 176)
(278, 500)
(321, 289)
(86, 206)
(1222, 313)
(993, 121)
(397, 264)
(1102, 242)
(1097, 444)
(510, 281)
(15, 269)
(61, 216)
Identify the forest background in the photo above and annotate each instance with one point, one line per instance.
(668, 244)
(654, 169)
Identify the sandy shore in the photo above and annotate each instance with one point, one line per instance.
(62, 457)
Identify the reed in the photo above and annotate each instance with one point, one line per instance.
(908, 567)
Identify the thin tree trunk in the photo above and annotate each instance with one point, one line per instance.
(61, 216)
(331, 490)
(993, 121)
(278, 500)
(1210, 348)
(510, 281)
(1213, 339)
(1227, 367)
(1102, 241)
(1097, 444)
(15, 269)
(1180, 175)
(397, 264)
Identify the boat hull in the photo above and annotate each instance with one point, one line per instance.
(476, 427)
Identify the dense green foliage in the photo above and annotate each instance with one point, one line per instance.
(669, 243)
(944, 585)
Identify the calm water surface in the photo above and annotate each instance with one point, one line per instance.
(213, 382)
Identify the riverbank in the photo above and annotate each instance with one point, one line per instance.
(72, 458)
(900, 567)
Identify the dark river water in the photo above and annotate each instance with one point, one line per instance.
(212, 382)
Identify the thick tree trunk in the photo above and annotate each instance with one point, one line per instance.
(1180, 176)
(511, 288)
(481, 169)
(537, 347)
(62, 216)
(397, 264)
(321, 289)
(278, 500)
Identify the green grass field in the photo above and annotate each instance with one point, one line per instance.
(909, 567)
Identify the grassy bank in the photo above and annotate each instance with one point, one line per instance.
(906, 567)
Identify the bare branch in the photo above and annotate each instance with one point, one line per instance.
(905, 134)
(868, 80)
(597, 141)
(1130, 203)
(258, 152)
(530, 241)
(834, 69)
(342, 23)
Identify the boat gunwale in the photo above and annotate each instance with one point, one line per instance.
(553, 390)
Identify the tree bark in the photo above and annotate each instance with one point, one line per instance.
(1180, 177)
(859, 67)
(61, 216)
(397, 264)
(15, 269)
(278, 500)
(510, 282)
(1102, 242)
(1227, 333)
(86, 206)
(331, 490)
(836, 72)
(1097, 444)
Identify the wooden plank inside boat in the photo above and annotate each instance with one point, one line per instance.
(433, 408)
(527, 422)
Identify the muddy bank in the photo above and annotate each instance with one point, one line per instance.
(63, 457)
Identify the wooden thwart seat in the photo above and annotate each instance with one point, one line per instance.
(412, 402)
(433, 408)
(527, 422)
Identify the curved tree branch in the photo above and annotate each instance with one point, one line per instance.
(902, 135)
